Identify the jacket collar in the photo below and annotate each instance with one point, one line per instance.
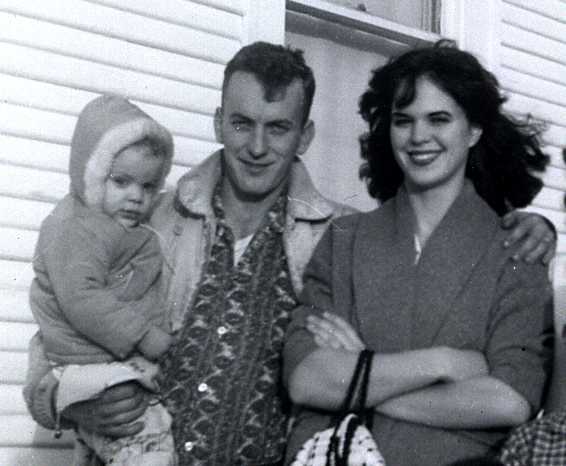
(196, 188)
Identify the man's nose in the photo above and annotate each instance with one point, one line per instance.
(258, 142)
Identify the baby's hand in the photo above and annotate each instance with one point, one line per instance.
(155, 343)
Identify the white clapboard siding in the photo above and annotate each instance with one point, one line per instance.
(10, 456)
(140, 29)
(14, 366)
(14, 306)
(13, 400)
(167, 57)
(21, 430)
(15, 335)
(532, 71)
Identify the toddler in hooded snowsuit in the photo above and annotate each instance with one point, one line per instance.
(97, 294)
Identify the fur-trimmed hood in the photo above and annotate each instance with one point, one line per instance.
(107, 125)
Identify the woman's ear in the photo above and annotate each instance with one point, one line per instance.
(218, 125)
(476, 133)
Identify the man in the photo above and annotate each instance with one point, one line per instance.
(239, 230)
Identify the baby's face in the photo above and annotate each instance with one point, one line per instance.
(133, 185)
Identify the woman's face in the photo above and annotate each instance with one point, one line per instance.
(431, 138)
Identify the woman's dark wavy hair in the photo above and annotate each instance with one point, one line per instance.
(500, 165)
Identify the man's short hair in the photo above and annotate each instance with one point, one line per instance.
(275, 67)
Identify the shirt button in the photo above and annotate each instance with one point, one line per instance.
(221, 330)
(202, 387)
(189, 446)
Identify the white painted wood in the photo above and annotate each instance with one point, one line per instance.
(475, 26)
(550, 198)
(561, 245)
(34, 154)
(554, 135)
(21, 430)
(74, 42)
(553, 9)
(32, 184)
(535, 87)
(15, 336)
(14, 306)
(533, 43)
(35, 124)
(29, 456)
(553, 27)
(12, 400)
(86, 75)
(15, 275)
(265, 22)
(17, 244)
(183, 13)
(524, 105)
(234, 6)
(530, 64)
(555, 177)
(556, 156)
(23, 213)
(14, 366)
(134, 28)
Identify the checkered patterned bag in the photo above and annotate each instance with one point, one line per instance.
(348, 440)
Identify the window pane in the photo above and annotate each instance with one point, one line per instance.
(420, 14)
(342, 59)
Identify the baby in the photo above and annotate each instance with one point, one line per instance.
(97, 294)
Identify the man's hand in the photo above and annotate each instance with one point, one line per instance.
(113, 413)
(533, 233)
(333, 332)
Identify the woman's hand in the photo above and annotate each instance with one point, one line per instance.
(460, 364)
(332, 332)
(114, 413)
(535, 233)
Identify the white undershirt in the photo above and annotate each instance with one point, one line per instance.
(418, 249)
(240, 247)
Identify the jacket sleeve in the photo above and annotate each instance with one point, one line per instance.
(520, 332)
(78, 263)
(326, 289)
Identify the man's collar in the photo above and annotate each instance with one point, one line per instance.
(196, 188)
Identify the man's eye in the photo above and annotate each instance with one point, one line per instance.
(278, 130)
(150, 187)
(240, 125)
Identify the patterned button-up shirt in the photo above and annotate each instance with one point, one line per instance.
(223, 377)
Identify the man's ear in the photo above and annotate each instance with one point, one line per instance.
(306, 137)
(476, 135)
(218, 125)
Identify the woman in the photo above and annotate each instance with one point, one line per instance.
(458, 327)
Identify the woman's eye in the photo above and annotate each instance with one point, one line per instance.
(400, 121)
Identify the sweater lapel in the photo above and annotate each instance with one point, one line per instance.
(383, 269)
(447, 261)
